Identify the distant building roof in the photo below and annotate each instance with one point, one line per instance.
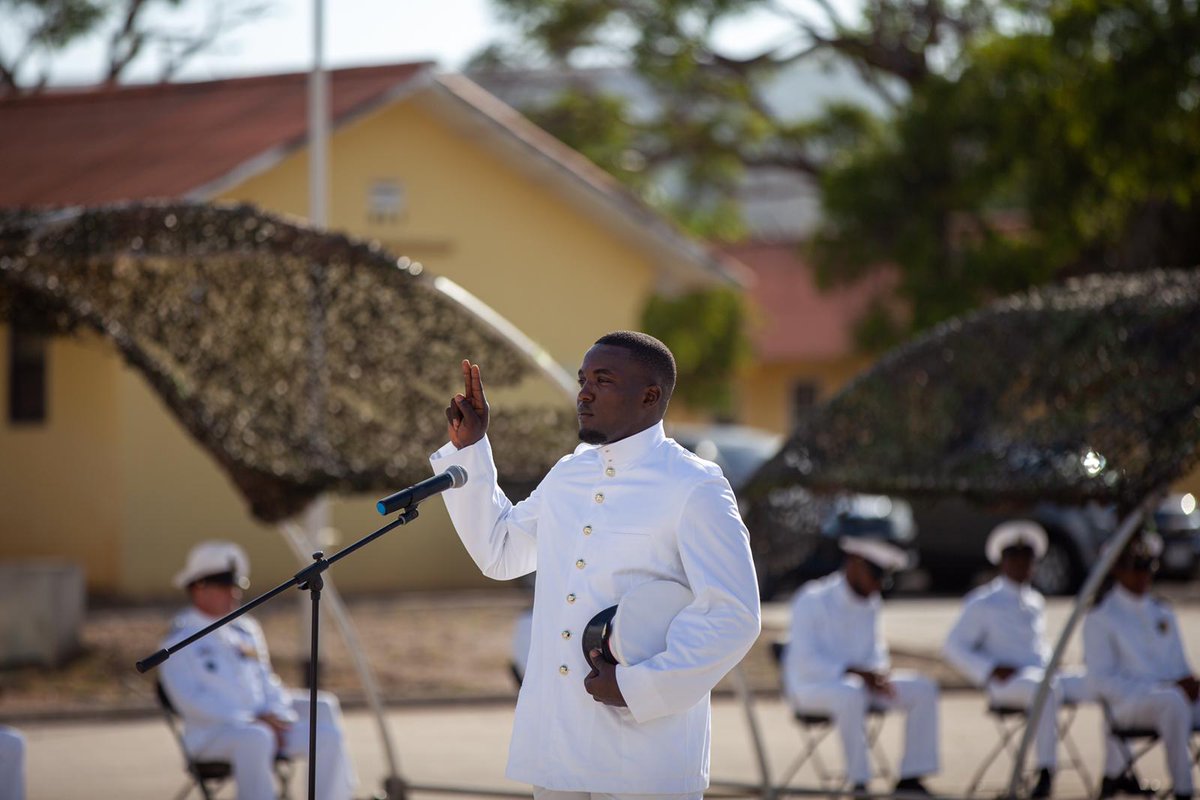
(798, 321)
(194, 140)
(166, 140)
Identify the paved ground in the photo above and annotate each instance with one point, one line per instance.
(466, 744)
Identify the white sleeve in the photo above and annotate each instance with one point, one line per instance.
(500, 537)
(806, 659)
(278, 702)
(711, 635)
(199, 694)
(962, 647)
(1102, 660)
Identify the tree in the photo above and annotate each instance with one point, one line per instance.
(43, 28)
(1025, 139)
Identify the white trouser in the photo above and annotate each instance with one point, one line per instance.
(251, 749)
(12, 764)
(1020, 690)
(847, 701)
(1168, 711)
(550, 794)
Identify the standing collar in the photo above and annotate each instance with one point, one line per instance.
(1011, 586)
(1129, 598)
(627, 451)
(854, 598)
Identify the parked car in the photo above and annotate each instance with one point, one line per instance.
(952, 533)
(792, 532)
(1178, 522)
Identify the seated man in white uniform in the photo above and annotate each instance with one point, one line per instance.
(12, 764)
(233, 706)
(999, 640)
(1136, 663)
(837, 663)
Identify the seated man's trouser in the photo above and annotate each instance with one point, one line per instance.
(251, 749)
(12, 764)
(847, 701)
(1020, 690)
(1167, 710)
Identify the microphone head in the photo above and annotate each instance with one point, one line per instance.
(458, 476)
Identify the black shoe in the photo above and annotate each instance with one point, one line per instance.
(1044, 786)
(859, 792)
(912, 786)
(1124, 784)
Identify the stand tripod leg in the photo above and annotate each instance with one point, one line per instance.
(315, 584)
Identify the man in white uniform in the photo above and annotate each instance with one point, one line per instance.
(836, 662)
(629, 506)
(231, 701)
(12, 764)
(1136, 662)
(999, 640)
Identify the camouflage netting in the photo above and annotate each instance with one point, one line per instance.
(1090, 390)
(305, 362)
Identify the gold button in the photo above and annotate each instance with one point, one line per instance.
(587, 530)
(610, 472)
(564, 669)
(570, 598)
(566, 634)
(581, 563)
(599, 497)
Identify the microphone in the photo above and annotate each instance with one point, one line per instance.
(452, 478)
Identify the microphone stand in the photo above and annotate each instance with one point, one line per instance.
(308, 579)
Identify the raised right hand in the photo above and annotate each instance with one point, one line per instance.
(467, 414)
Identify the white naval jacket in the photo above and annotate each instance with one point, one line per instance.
(833, 629)
(1132, 645)
(604, 520)
(1002, 623)
(226, 677)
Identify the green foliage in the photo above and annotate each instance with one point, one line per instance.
(1027, 140)
(706, 332)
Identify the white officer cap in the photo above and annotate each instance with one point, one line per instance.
(1014, 533)
(213, 558)
(644, 614)
(1150, 543)
(879, 552)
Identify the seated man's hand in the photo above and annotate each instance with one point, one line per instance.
(1002, 673)
(601, 682)
(877, 682)
(278, 725)
(1190, 687)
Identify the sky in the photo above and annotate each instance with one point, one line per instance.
(357, 32)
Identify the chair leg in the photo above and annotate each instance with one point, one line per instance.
(883, 767)
(1074, 757)
(1006, 734)
(811, 741)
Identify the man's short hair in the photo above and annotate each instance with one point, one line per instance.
(650, 353)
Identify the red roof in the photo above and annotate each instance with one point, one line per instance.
(165, 140)
(797, 321)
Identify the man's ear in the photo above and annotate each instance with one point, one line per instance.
(652, 396)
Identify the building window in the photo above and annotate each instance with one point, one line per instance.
(385, 201)
(804, 400)
(26, 377)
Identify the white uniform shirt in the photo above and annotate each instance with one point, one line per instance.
(833, 629)
(224, 678)
(1131, 645)
(1002, 623)
(605, 520)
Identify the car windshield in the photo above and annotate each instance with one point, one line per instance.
(738, 451)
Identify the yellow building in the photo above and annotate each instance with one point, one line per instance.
(430, 166)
